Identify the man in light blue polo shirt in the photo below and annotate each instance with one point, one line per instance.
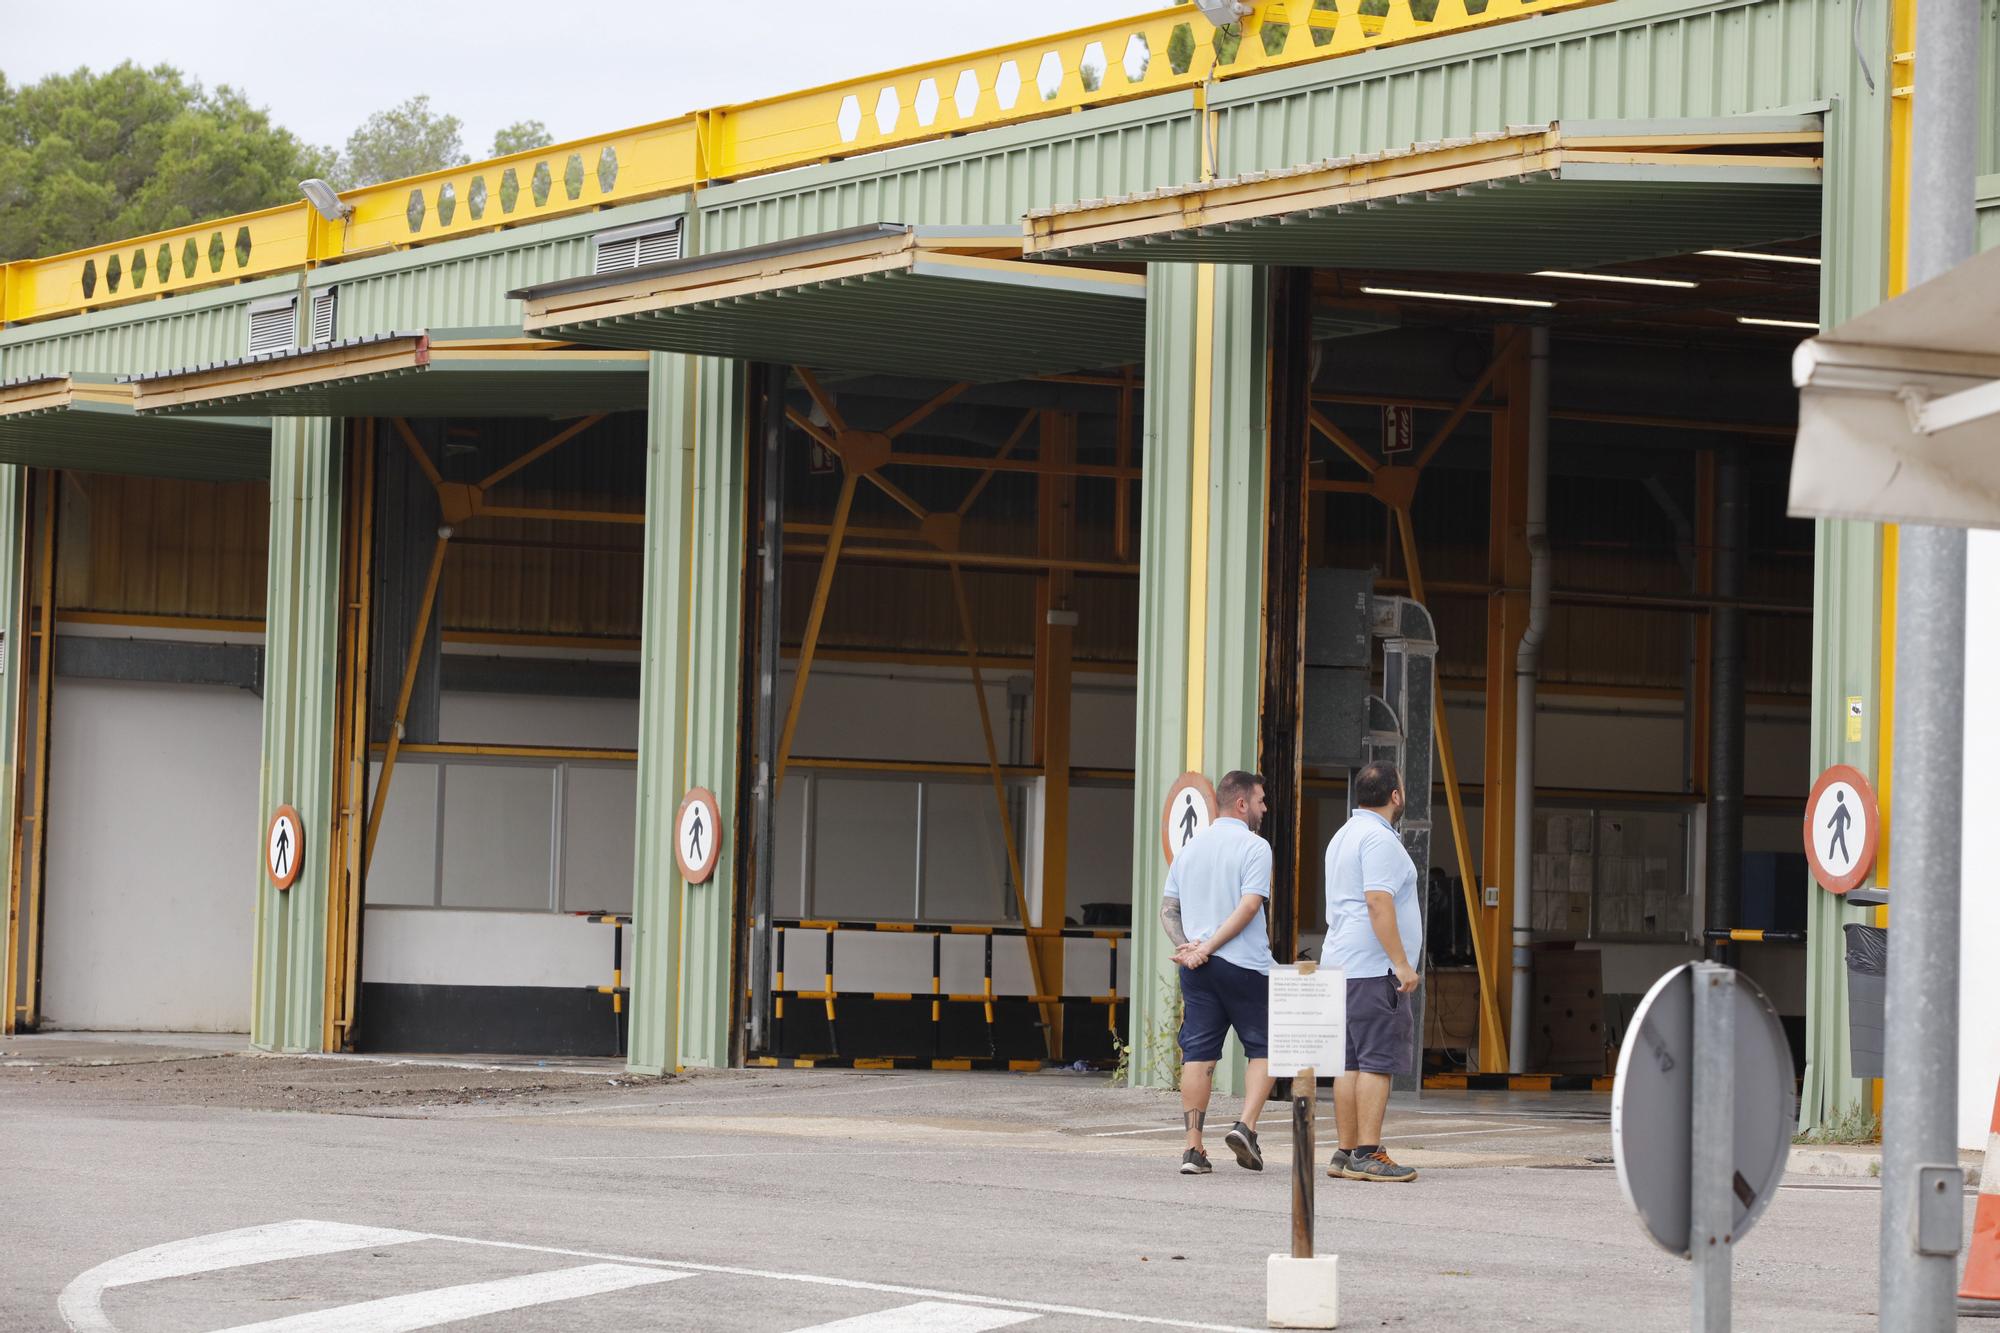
(1214, 914)
(1375, 935)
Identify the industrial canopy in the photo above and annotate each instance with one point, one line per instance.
(952, 302)
(1570, 196)
(440, 373)
(1899, 409)
(86, 423)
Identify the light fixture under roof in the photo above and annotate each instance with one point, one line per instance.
(1624, 278)
(1759, 256)
(1459, 296)
(1763, 322)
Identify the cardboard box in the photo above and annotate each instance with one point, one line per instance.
(1582, 871)
(1611, 837)
(1556, 835)
(1579, 914)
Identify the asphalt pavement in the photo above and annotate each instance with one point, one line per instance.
(154, 1187)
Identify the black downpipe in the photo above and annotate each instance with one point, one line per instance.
(1725, 703)
(769, 565)
(1281, 751)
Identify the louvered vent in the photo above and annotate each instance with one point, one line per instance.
(322, 317)
(274, 328)
(635, 247)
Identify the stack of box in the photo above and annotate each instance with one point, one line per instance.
(1567, 1036)
(1563, 874)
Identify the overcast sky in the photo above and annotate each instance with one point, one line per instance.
(581, 68)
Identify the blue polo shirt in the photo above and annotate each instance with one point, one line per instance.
(1210, 876)
(1366, 854)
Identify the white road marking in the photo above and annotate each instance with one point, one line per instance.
(925, 1317)
(447, 1305)
(82, 1301)
(854, 1284)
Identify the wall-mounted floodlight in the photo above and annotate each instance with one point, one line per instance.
(326, 199)
(1222, 12)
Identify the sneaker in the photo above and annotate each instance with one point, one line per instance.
(1377, 1166)
(1242, 1141)
(1194, 1162)
(1337, 1168)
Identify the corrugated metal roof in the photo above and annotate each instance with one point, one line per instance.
(86, 423)
(1531, 197)
(445, 373)
(948, 302)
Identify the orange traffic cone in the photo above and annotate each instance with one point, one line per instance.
(1981, 1293)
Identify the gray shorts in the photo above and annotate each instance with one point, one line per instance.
(1381, 1027)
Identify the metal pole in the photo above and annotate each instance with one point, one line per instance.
(1304, 1087)
(1527, 663)
(766, 830)
(1920, 1044)
(1725, 705)
(1711, 1196)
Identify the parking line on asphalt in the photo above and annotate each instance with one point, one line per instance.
(82, 1301)
(448, 1305)
(856, 1284)
(925, 1317)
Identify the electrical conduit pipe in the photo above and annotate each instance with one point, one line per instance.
(1527, 659)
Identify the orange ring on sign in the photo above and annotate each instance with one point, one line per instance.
(1863, 863)
(1201, 784)
(698, 874)
(285, 814)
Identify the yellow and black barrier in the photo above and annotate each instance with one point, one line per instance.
(617, 990)
(985, 997)
(1740, 936)
(1518, 1082)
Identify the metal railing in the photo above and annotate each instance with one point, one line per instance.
(829, 995)
(1162, 51)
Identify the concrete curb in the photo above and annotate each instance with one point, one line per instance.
(1860, 1162)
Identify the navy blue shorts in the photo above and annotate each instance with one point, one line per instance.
(1216, 997)
(1381, 1027)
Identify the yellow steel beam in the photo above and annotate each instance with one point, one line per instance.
(1162, 51)
(409, 685)
(1482, 954)
(829, 560)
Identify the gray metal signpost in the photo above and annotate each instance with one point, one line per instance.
(1701, 1121)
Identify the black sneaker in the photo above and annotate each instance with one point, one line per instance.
(1194, 1162)
(1337, 1168)
(1242, 1141)
(1377, 1166)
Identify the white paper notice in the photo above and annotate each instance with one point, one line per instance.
(1308, 1028)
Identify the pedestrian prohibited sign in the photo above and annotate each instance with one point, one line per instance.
(1190, 809)
(1842, 827)
(284, 847)
(698, 835)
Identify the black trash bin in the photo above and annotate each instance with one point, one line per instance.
(1867, 987)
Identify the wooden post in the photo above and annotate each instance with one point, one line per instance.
(1305, 1089)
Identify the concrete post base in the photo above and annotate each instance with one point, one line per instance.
(1302, 1293)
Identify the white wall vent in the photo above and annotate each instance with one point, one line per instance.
(322, 316)
(274, 325)
(654, 242)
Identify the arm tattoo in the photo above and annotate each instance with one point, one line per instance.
(1170, 918)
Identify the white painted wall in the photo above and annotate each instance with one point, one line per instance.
(1979, 978)
(420, 946)
(153, 846)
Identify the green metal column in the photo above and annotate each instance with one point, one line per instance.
(690, 683)
(1847, 563)
(301, 648)
(1201, 573)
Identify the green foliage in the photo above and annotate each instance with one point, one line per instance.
(91, 157)
(405, 140)
(1161, 1047)
(1853, 1124)
(520, 137)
